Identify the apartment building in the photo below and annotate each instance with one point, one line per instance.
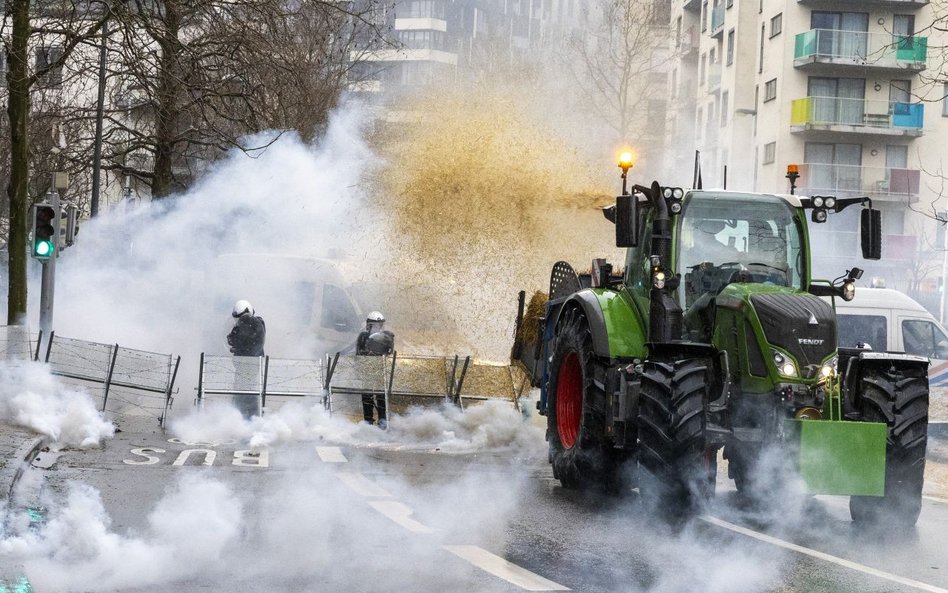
(846, 89)
(441, 40)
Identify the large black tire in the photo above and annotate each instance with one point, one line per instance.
(680, 467)
(899, 399)
(581, 454)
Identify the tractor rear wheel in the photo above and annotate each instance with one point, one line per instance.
(581, 454)
(899, 399)
(672, 443)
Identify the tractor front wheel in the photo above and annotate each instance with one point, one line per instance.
(581, 454)
(899, 399)
(681, 467)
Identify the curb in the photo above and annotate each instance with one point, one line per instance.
(9, 475)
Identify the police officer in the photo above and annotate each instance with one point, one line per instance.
(246, 339)
(374, 340)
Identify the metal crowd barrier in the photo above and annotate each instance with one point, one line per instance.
(130, 378)
(341, 380)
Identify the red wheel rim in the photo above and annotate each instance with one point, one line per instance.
(569, 400)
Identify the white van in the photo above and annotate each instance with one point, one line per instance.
(305, 301)
(887, 319)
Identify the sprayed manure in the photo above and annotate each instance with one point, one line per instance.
(483, 198)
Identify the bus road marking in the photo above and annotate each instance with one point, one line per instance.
(331, 455)
(362, 486)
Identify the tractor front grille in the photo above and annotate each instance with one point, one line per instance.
(801, 324)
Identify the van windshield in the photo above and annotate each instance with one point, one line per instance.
(862, 329)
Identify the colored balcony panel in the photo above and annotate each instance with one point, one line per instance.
(861, 49)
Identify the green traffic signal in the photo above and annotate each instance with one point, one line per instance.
(43, 248)
(44, 231)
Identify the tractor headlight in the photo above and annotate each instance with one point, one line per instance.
(676, 207)
(784, 365)
(667, 192)
(849, 291)
(818, 202)
(830, 203)
(678, 193)
(658, 280)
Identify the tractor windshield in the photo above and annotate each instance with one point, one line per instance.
(730, 237)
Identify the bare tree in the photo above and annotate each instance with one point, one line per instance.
(53, 31)
(192, 80)
(617, 61)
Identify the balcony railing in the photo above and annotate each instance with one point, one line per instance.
(688, 43)
(898, 4)
(717, 20)
(861, 48)
(855, 180)
(871, 116)
(692, 5)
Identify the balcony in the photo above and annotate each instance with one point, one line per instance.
(717, 21)
(858, 116)
(819, 47)
(688, 44)
(896, 4)
(691, 5)
(882, 183)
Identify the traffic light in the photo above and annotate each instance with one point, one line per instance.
(44, 231)
(68, 225)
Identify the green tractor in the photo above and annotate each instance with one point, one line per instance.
(716, 337)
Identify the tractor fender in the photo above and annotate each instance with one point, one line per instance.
(613, 323)
(862, 358)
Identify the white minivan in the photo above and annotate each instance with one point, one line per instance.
(887, 319)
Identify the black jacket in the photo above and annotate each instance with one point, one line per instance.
(248, 336)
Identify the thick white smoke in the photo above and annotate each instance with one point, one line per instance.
(34, 399)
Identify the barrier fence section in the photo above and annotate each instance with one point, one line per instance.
(340, 380)
(134, 382)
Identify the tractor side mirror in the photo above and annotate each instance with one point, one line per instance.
(870, 233)
(627, 219)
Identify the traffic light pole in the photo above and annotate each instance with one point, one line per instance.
(48, 287)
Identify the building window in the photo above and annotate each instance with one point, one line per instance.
(730, 47)
(724, 107)
(699, 120)
(944, 102)
(43, 57)
(422, 9)
(770, 90)
(421, 39)
(701, 68)
(776, 25)
(770, 152)
(704, 16)
(3, 68)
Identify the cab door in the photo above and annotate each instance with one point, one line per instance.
(924, 337)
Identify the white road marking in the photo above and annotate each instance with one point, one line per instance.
(331, 455)
(936, 499)
(362, 485)
(209, 456)
(823, 556)
(508, 571)
(401, 514)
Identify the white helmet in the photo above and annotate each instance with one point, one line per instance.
(242, 308)
(375, 317)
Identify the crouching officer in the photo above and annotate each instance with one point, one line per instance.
(375, 340)
(246, 339)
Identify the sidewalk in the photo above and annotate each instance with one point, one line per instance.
(16, 445)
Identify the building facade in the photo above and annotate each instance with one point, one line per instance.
(847, 90)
